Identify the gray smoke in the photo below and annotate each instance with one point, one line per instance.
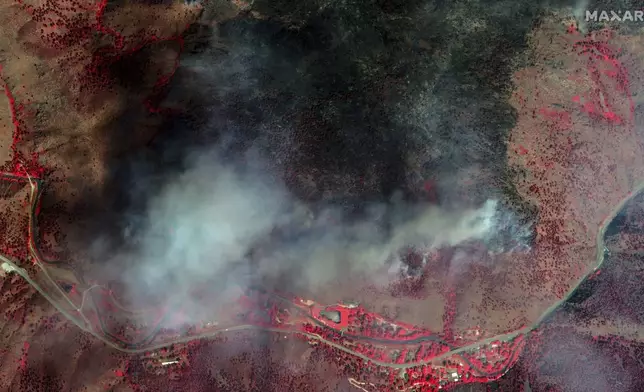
(215, 224)
(327, 97)
(579, 12)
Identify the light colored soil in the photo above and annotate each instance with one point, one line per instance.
(69, 140)
(582, 167)
(577, 189)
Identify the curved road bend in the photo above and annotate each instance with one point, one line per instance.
(9, 265)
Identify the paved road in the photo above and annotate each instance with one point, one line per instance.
(69, 309)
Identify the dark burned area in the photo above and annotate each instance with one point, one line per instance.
(325, 93)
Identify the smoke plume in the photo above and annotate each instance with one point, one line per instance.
(309, 143)
(233, 224)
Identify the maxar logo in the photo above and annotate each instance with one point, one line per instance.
(615, 16)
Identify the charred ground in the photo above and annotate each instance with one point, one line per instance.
(350, 104)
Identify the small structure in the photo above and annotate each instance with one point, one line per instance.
(350, 304)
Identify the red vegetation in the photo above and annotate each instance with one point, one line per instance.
(370, 349)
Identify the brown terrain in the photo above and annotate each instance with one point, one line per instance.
(575, 151)
(575, 154)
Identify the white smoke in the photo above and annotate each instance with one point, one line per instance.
(229, 225)
(579, 12)
(215, 225)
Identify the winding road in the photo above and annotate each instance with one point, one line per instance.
(52, 291)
